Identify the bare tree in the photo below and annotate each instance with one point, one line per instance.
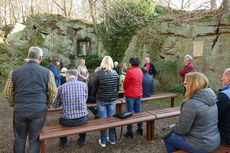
(213, 5)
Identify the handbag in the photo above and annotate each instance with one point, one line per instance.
(123, 115)
(167, 131)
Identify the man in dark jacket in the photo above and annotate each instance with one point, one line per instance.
(29, 89)
(147, 83)
(187, 68)
(150, 66)
(223, 104)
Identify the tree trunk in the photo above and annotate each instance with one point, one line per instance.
(169, 3)
(182, 4)
(5, 13)
(93, 16)
(226, 6)
(213, 5)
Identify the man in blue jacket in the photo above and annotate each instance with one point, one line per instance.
(223, 104)
(147, 83)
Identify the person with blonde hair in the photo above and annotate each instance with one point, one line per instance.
(105, 88)
(197, 130)
(83, 74)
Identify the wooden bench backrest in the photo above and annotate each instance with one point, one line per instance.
(55, 131)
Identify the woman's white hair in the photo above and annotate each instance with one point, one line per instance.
(107, 63)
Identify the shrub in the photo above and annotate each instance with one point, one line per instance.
(92, 61)
(177, 89)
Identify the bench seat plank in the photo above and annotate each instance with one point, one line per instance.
(166, 112)
(55, 131)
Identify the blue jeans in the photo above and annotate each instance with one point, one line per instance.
(133, 103)
(73, 122)
(176, 142)
(106, 109)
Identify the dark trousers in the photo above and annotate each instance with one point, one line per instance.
(73, 122)
(25, 123)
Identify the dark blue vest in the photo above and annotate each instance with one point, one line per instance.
(30, 87)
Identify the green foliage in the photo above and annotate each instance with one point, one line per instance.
(45, 63)
(121, 23)
(92, 61)
(167, 73)
(3, 49)
(177, 89)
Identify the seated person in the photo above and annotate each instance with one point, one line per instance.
(147, 83)
(71, 94)
(91, 98)
(63, 75)
(223, 104)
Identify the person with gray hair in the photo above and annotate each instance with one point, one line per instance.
(187, 68)
(150, 66)
(72, 96)
(30, 89)
(223, 104)
(83, 74)
(116, 67)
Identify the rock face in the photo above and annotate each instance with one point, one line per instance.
(57, 36)
(167, 42)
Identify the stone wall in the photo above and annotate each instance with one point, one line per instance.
(167, 42)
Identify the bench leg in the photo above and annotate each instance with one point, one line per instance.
(150, 130)
(42, 146)
(118, 108)
(172, 102)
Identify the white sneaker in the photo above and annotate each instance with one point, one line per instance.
(103, 145)
(113, 143)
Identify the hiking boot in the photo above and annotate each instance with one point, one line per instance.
(140, 132)
(128, 135)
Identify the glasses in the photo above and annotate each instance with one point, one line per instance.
(185, 83)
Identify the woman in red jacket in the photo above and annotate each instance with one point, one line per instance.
(133, 92)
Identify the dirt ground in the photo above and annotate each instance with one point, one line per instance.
(138, 144)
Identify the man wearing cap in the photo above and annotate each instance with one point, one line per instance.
(72, 96)
(187, 68)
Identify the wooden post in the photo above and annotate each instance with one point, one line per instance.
(42, 146)
(148, 131)
(152, 129)
(172, 102)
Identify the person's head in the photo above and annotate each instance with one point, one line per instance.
(194, 81)
(147, 60)
(187, 59)
(134, 61)
(144, 70)
(71, 73)
(35, 53)
(107, 63)
(26, 61)
(123, 70)
(63, 70)
(97, 69)
(115, 64)
(226, 77)
(124, 65)
(56, 61)
(82, 62)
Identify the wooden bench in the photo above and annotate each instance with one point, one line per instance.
(56, 131)
(220, 149)
(153, 97)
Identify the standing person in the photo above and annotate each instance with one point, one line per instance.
(105, 89)
(29, 89)
(54, 68)
(196, 131)
(72, 96)
(133, 92)
(150, 66)
(63, 75)
(147, 83)
(83, 74)
(223, 104)
(188, 67)
(116, 67)
(124, 66)
(122, 78)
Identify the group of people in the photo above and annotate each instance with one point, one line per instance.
(31, 88)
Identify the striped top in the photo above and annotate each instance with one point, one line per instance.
(72, 95)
